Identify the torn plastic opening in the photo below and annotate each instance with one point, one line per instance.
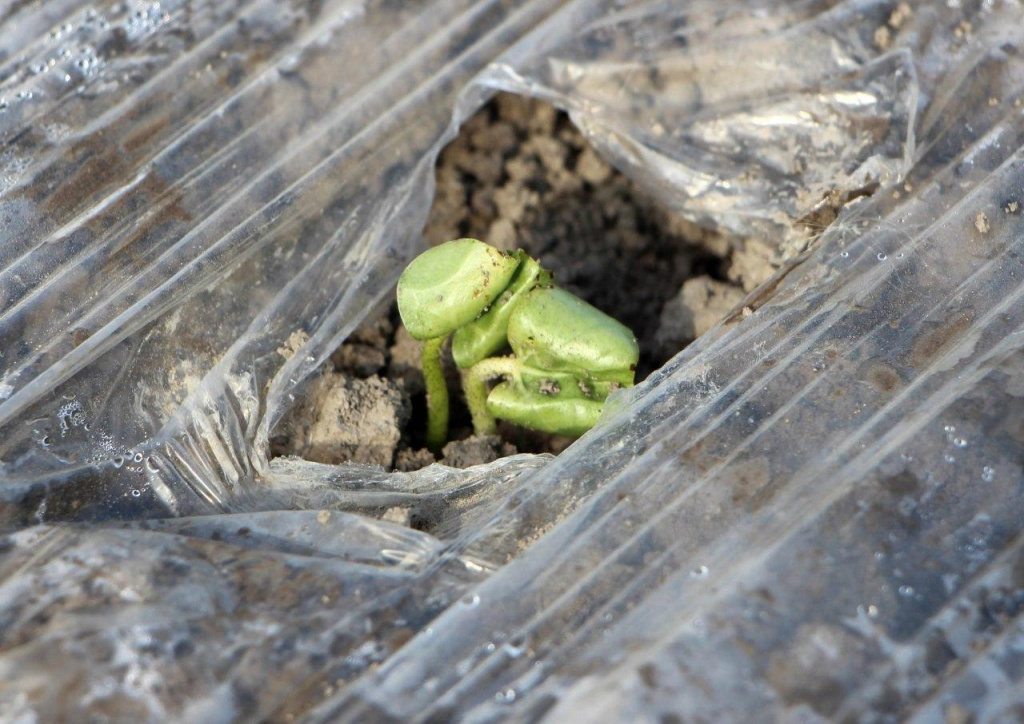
(814, 510)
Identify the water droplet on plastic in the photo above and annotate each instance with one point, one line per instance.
(118, 461)
(988, 474)
(136, 493)
(45, 442)
(844, 254)
(505, 697)
(699, 572)
(514, 649)
(151, 465)
(489, 647)
(882, 256)
(949, 428)
(137, 457)
(959, 442)
(471, 600)
(871, 611)
(949, 458)
(906, 591)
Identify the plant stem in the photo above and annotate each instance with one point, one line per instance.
(437, 393)
(474, 384)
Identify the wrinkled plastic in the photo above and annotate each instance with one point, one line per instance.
(814, 511)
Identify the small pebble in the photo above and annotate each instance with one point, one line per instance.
(900, 15)
(883, 37)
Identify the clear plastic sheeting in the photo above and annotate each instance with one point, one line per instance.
(814, 512)
(236, 616)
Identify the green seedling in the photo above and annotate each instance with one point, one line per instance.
(567, 356)
(443, 289)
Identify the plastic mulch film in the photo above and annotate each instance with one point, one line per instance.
(813, 512)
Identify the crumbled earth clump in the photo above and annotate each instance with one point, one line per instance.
(476, 450)
(520, 175)
(699, 306)
(409, 459)
(752, 263)
(347, 418)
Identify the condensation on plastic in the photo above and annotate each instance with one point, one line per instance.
(813, 512)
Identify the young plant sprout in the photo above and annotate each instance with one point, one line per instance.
(567, 356)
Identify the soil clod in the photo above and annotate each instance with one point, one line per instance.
(475, 450)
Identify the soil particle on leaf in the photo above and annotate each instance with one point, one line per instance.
(549, 387)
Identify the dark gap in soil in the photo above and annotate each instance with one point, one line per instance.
(521, 175)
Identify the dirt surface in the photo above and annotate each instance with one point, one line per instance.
(521, 175)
